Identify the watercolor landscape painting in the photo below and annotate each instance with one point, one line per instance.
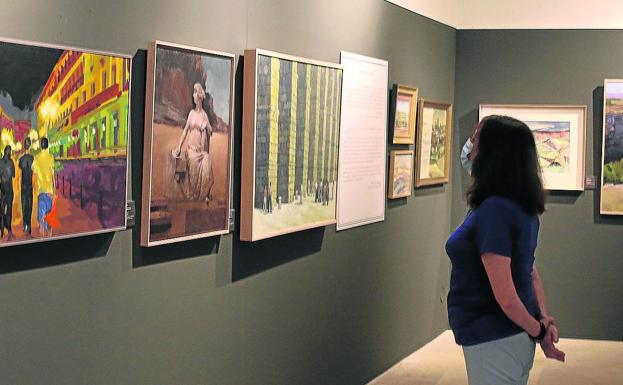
(552, 142)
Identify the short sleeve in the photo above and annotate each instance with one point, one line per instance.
(494, 227)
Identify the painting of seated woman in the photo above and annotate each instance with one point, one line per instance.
(187, 157)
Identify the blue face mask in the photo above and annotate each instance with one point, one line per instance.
(465, 152)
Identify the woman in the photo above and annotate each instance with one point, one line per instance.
(496, 303)
(197, 132)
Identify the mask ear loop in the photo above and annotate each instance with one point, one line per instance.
(466, 162)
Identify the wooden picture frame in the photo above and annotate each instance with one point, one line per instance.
(559, 132)
(403, 114)
(289, 144)
(187, 156)
(611, 197)
(434, 140)
(401, 179)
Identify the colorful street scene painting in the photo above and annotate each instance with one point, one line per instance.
(553, 140)
(296, 145)
(63, 145)
(612, 166)
(188, 144)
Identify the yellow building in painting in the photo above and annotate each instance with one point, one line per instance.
(84, 106)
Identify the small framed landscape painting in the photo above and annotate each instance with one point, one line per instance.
(400, 174)
(559, 133)
(434, 136)
(404, 103)
(611, 202)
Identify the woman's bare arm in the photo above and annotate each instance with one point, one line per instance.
(498, 270)
(183, 137)
(537, 285)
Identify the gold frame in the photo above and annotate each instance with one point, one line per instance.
(419, 181)
(390, 185)
(412, 92)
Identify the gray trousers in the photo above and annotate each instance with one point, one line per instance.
(506, 361)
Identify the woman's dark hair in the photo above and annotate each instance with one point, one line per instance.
(507, 165)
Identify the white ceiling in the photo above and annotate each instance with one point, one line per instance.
(444, 11)
(525, 14)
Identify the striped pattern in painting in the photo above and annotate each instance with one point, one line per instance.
(297, 128)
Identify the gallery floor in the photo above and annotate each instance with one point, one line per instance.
(441, 363)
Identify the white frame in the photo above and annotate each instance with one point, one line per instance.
(128, 140)
(574, 179)
(341, 224)
(149, 138)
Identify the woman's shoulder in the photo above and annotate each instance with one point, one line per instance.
(496, 203)
(499, 205)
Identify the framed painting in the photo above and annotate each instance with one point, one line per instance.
(404, 110)
(559, 133)
(611, 202)
(188, 144)
(434, 134)
(291, 124)
(400, 174)
(64, 120)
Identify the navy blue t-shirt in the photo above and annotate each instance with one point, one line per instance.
(499, 226)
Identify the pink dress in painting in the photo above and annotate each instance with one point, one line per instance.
(200, 176)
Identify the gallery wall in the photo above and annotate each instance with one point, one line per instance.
(579, 251)
(315, 307)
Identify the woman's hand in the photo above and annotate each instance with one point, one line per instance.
(547, 321)
(548, 347)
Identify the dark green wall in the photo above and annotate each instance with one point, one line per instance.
(580, 252)
(316, 307)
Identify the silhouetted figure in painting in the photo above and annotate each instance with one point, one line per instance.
(25, 166)
(270, 198)
(265, 199)
(317, 193)
(325, 190)
(7, 173)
